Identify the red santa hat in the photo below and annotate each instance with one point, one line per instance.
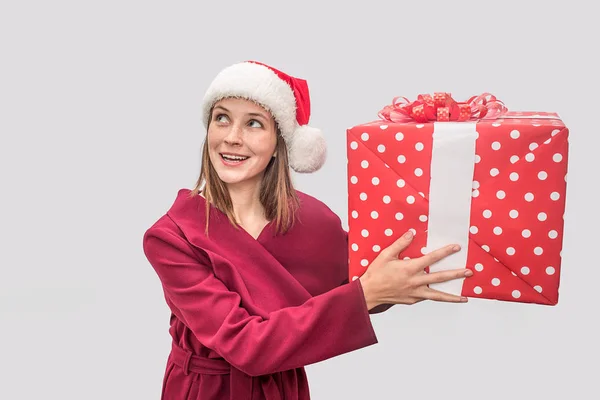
(285, 97)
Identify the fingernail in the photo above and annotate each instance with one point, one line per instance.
(408, 235)
(468, 272)
(456, 248)
(464, 299)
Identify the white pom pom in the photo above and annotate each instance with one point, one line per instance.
(307, 150)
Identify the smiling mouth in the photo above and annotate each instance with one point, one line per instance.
(233, 159)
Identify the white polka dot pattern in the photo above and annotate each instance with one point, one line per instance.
(517, 204)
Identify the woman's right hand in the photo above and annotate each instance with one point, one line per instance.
(390, 280)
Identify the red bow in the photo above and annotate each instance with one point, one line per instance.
(442, 107)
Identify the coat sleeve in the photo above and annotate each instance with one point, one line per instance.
(325, 326)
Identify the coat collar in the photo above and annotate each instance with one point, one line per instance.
(235, 249)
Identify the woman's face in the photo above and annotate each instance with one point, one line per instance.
(242, 137)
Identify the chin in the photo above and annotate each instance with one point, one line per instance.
(235, 177)
(231, 179)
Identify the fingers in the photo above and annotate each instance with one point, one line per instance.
(436, 295)
(435, 256)
(426, 292)
(394, 249)
(443, 276)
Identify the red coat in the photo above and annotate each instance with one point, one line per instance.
(248, 314)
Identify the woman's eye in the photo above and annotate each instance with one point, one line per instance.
(219, 117)
(259, 125)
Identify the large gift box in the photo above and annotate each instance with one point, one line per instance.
(471, 173)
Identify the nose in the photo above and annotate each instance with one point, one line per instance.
(234, 136)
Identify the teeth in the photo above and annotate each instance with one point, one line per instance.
(234, 158)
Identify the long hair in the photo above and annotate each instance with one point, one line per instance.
(277, 194)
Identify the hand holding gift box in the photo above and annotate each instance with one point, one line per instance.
(470, 173)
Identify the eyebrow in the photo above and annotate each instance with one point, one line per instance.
(221, 107)
(250, 114)
(257, 115)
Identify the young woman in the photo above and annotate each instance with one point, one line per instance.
(254, 271)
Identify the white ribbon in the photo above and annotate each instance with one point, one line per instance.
(452, 167)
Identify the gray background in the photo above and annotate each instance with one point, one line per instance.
(100, 126)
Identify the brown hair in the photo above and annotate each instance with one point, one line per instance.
(277, 194)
